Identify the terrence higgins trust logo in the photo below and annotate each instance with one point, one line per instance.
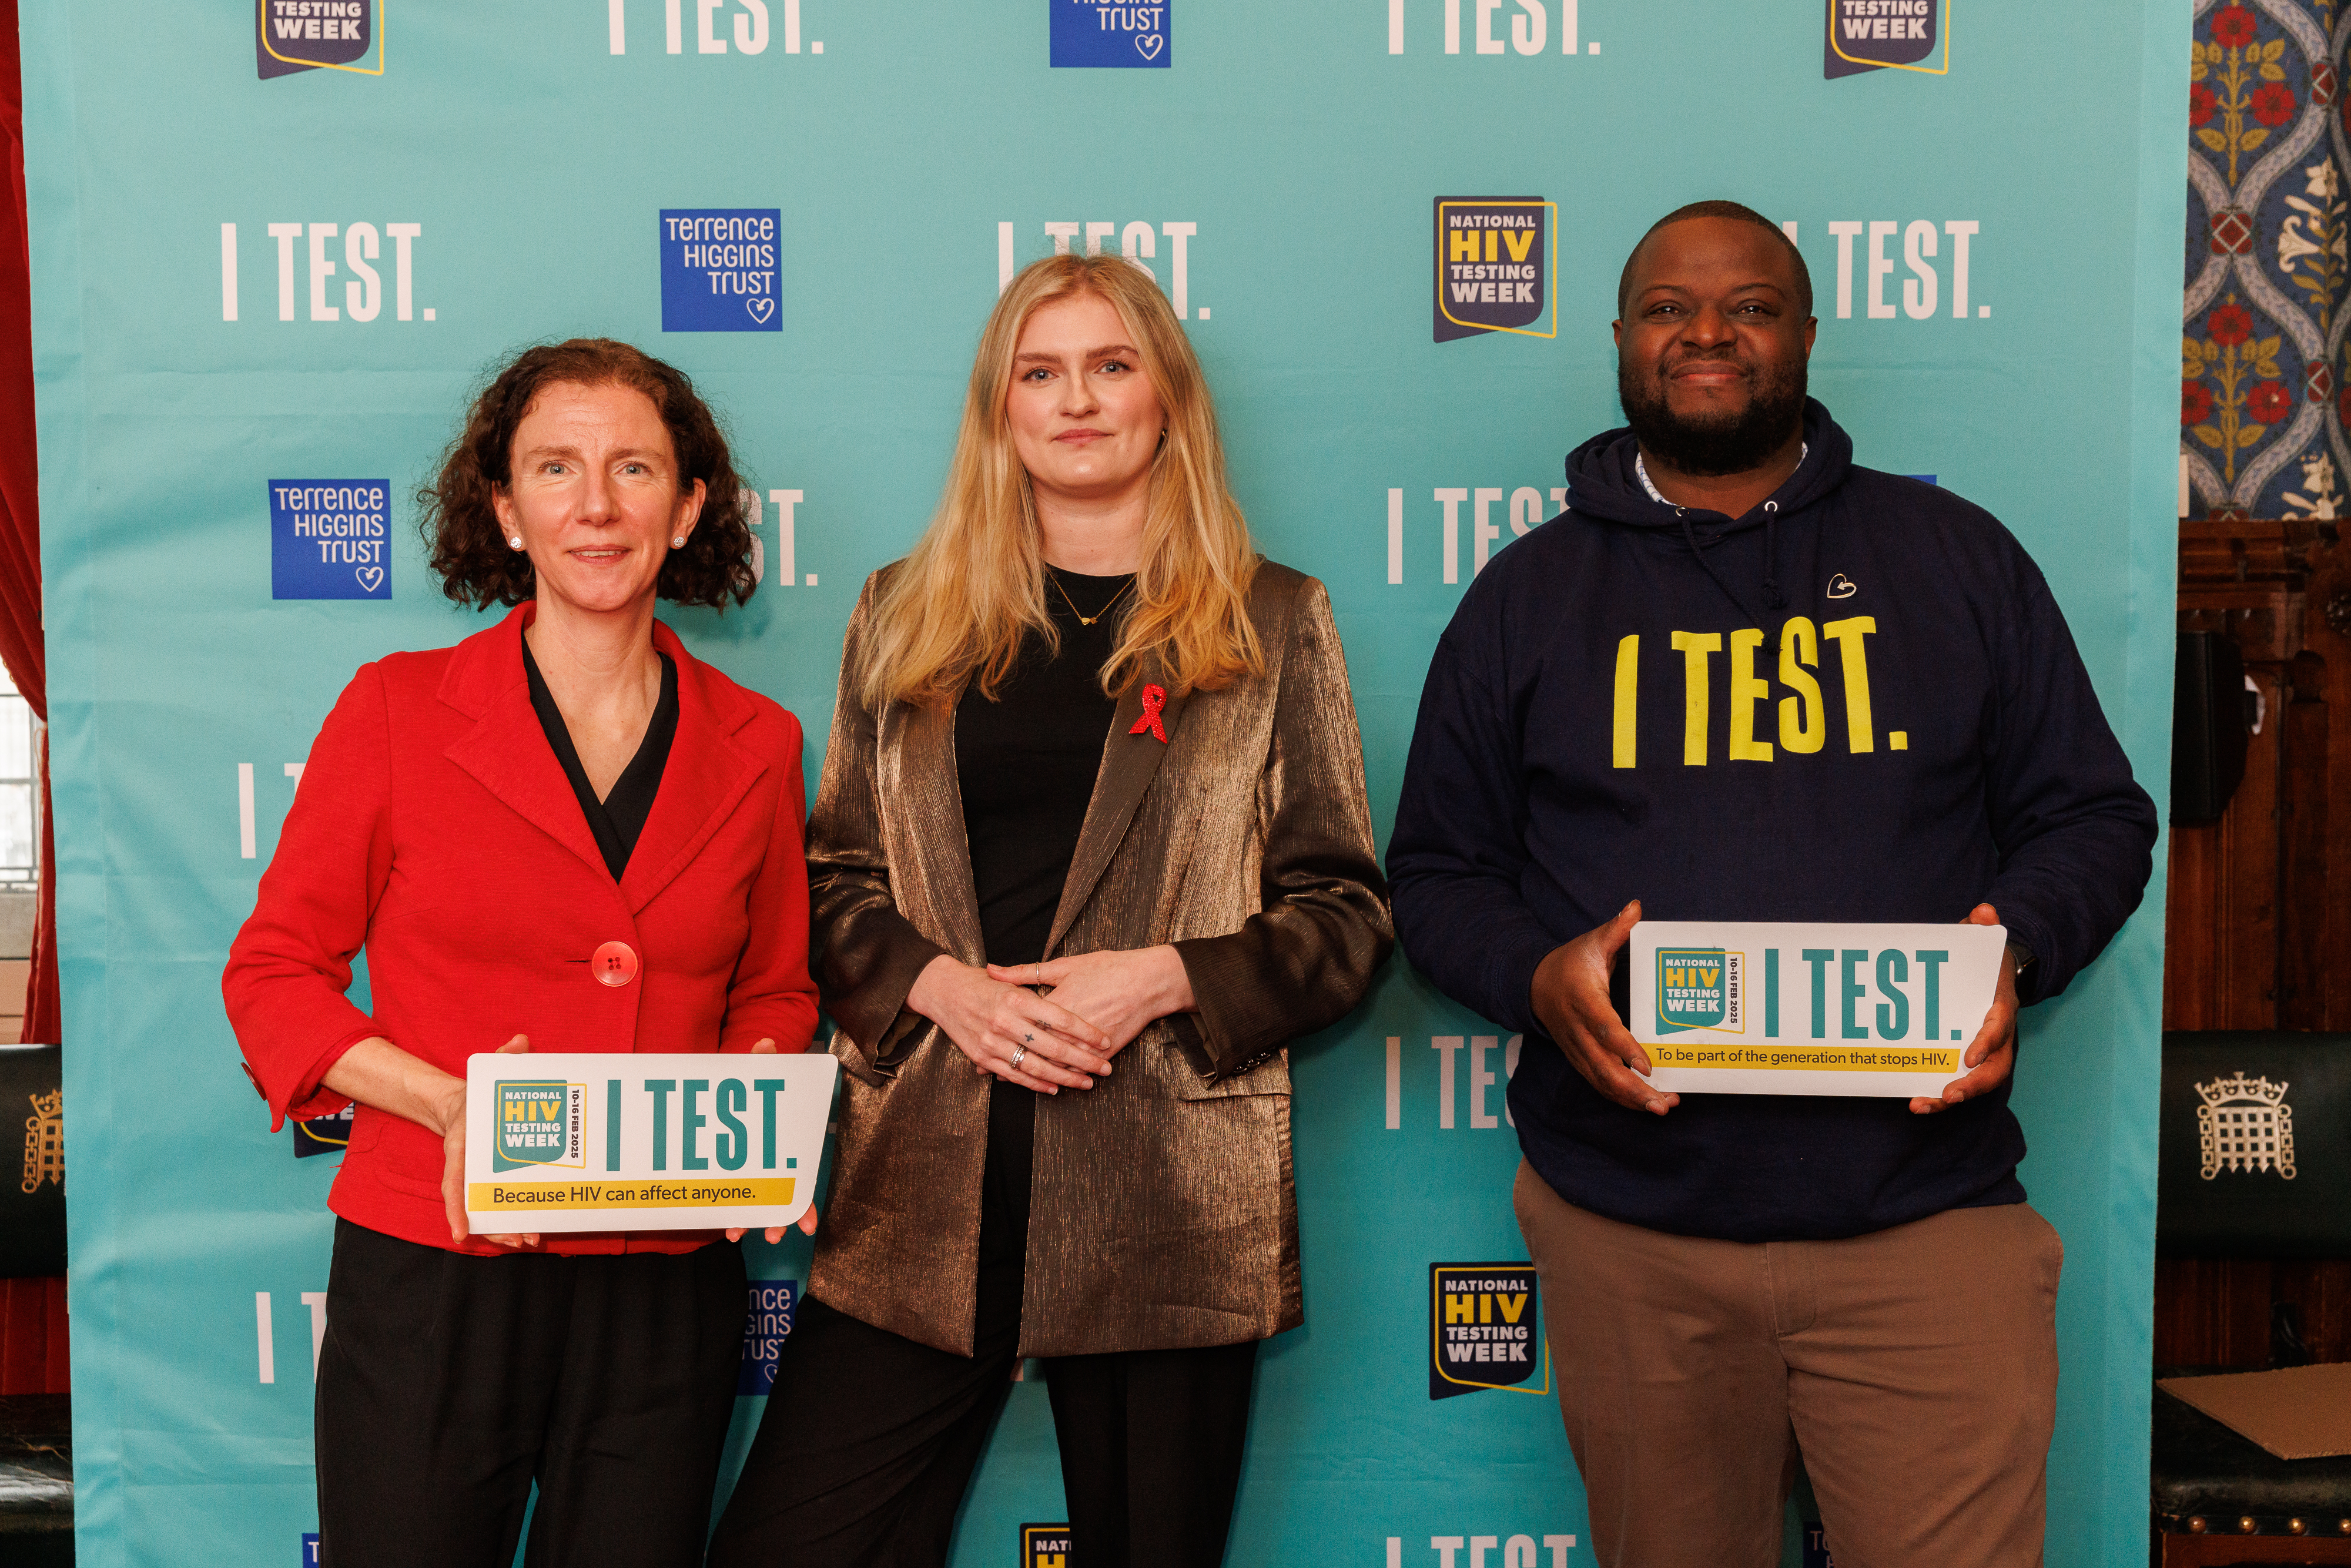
(326, 538)
(1698, 988)
(1104, 33)
(539, 1123)
(718, 269)
(1496, 259)
(1485, 1330)
(765, 1330)
(1888, 35)
(291, 35)
(1046, 1546)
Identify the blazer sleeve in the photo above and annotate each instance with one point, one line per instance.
(868, 953)
(1309, 956)
(771, 996)
(290, 966)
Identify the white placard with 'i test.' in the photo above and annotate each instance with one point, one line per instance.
(1752, 1008)
(603, 1141)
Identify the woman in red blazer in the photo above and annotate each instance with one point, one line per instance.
(570, 785)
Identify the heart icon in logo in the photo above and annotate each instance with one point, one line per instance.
(371, 577)
(1151, 44)
(761, 309)
(1842, 586)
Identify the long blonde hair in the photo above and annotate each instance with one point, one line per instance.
(959, 607)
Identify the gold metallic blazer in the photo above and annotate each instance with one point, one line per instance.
(1162, 1213)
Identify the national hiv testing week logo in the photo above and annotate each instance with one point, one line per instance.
(1888, 35)
(290, 36)
(1495, 257)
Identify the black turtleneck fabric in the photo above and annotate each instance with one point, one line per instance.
(619, 817)
(1026, 764)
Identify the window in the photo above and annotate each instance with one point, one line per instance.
(19, 809)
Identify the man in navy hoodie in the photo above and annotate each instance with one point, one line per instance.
(1740, 678)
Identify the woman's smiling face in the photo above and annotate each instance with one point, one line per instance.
(1085, 418)
(594, 495)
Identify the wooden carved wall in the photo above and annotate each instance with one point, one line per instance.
(2250, 922)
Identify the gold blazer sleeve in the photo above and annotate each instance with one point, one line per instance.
(1308, 959)
(868, 953)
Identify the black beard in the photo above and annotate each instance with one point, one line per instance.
(1714, 448)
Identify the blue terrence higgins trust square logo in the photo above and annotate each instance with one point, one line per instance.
(328, 538)
(764, 1332)
(1101, 33)
(1888, 35)
(290, 36)
(718, 269)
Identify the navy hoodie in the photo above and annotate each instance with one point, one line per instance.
(1858, 702)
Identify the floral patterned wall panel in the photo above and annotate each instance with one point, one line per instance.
(2264, 393)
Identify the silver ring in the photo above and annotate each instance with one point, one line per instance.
(1036, 974)
(1018, 1053)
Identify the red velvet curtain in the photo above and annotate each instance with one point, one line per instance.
(21, 646)
(33, 1336)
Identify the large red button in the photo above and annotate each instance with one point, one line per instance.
(614, 964)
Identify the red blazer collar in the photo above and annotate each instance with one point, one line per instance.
(707, 774)
(485, 666)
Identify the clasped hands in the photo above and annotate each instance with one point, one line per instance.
(1570, 995)
(1099, 1003)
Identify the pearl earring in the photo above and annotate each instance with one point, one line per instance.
(678, 541)
(514, 541)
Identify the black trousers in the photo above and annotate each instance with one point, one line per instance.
(870, 1439)
(447, 1384)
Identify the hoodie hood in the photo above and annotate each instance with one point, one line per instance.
(1602, 487)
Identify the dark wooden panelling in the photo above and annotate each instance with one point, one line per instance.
(2320, 1293)
(2252, 939)
(2213, 1311)
(2303, 819)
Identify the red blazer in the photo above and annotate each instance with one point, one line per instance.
(435, 827)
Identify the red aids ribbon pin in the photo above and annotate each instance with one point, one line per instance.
(1154, 699)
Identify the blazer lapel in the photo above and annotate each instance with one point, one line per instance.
(1129, 762)
(506, 751)
(915, 768)
(706, 776)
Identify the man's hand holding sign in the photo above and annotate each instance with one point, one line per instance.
(1691, 1002)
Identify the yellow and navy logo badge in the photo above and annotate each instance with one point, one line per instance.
(1888, 35)
(1700, 988)
(1496, 258)
(539, 1123)
(1485, 1330)
(1046, 1546)
(290, 36)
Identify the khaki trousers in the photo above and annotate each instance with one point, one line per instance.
(1914, 1368)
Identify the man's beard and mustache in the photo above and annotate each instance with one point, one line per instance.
(1714, 446)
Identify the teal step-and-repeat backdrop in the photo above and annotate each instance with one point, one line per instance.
(275, 241)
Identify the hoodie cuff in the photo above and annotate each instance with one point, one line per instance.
(2039, 979)
(1510, 979)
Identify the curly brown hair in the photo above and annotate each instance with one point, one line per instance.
(462, 537)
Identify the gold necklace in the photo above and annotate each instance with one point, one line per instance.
(1084, 619)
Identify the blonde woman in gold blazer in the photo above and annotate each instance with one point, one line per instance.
(1092, 846)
